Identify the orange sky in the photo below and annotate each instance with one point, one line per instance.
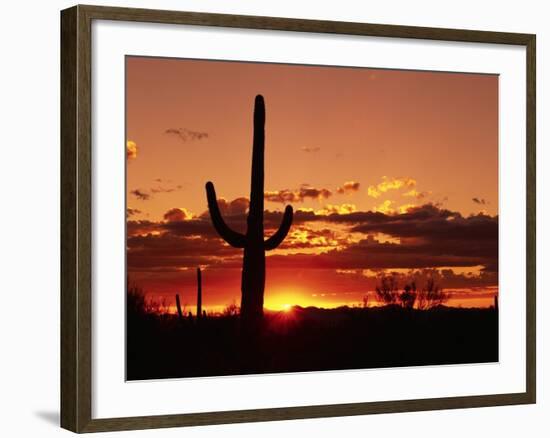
(406, 162)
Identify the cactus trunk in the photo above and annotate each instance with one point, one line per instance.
(253, 243)
(199, 293)
(253, 274)
(253, 285)
(178, 306)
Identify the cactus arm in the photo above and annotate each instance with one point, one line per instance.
(275, 240)
(234, 238)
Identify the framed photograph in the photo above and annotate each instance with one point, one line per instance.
(268, 218)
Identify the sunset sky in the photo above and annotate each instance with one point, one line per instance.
(387, 171)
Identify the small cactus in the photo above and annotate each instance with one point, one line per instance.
(199, 293)
(178, 306)
(253, 243)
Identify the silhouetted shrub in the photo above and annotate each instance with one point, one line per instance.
(135, 301)
(408, 296)
(431, 295)
(231, 310)
(387, 291)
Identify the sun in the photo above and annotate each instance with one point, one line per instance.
(283, 300)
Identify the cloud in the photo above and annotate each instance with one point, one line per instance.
(195, 227)
(337, 237)
(131, 150)
(385, 207)
(304, 192)
(371, 253)
(438, 237)
(348, 186)
(445, 233)
(141, 195)
(144, 195)
(235, 207)
(173, 252)
(402, 209)
(141, 227)
(185, 134)
(336, 209)
(303, 238)
(132, 212)
(360, 217)
(282, 196)
(480, 201)
(470, 281)
(375, 191)
(413, 193)
(311, 149)
(177, 214)
(161, 189)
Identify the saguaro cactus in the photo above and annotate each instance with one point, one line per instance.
(253, 272)
(178, 306)
(199, 293)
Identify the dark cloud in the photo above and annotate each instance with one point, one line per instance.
(141, 195)
(348, 186)
(424, 237)
(177, 214)
(141, 227)
(429, 221)
(372, 254)
(198, 227)
(146, 195)
(299, 195)
(173, 252)
(428, 236)
(185, 134)
(237, 206)
(132, 211)
(480, 201)
(424, 212)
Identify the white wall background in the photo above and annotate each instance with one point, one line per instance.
(29, 222)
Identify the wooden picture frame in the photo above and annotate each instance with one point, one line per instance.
(76, 237)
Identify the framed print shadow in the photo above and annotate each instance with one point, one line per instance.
(325, 218)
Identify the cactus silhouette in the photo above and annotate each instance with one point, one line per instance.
(253, 243)
(178, 306)
(199, 293)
